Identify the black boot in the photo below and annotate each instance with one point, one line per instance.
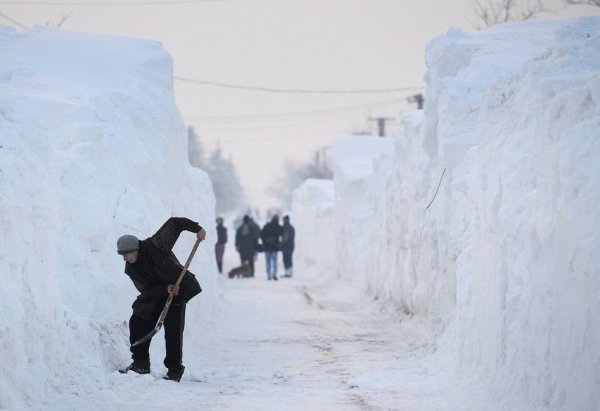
(139, 366)
(174, 374)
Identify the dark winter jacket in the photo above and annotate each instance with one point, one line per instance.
(245, 240)
(221, 234)
(255, 228)
(270, 235)
(287, 238)
(157, 267)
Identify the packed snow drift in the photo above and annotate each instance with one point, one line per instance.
(483, 217)
(92, 147)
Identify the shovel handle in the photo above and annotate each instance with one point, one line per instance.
(189, 260)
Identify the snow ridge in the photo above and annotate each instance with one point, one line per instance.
(504, 262)
(86, 155)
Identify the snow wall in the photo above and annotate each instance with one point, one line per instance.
(92, 147)
(503, 258)
(312, 211)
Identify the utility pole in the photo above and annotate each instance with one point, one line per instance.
(417, 98)
(380, 124)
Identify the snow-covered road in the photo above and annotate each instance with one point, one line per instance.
(295, 344)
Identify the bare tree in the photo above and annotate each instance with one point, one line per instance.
(56, 24)
(196, 152)
(295, 173)
(586, 2)
(229, 193)
(491, 12)
(61, 21)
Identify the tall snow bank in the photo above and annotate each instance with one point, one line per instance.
(365, 232)
(92, 147)
(354, 159)
(482, 213)
(386, 243)
(314, 223)
(528, 281)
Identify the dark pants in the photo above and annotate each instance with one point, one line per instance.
(219, 250)
(248, 257)
(174, 324)
(287, 259)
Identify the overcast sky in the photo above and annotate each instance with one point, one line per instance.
(320, 45)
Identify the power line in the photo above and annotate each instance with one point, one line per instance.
(328, 133)
(324, 135)
(322, 112)
(303, 91)
(278, 138)
(271, 126)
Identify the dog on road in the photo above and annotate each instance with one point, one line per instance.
(243, 271)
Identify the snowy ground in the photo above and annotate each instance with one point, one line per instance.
(295, 344)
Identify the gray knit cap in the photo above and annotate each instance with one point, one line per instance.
(127, 244)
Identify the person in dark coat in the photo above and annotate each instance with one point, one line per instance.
(270, 235)
(220, 244)
(245, 243)
(154, 270)
(255, 230)
(287, 245)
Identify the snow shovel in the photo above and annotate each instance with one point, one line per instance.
(163, 314)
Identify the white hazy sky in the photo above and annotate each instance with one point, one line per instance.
(280, 44)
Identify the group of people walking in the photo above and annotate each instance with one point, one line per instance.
(277, 238)
(250, 239)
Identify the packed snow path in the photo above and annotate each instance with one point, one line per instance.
(293, 345)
